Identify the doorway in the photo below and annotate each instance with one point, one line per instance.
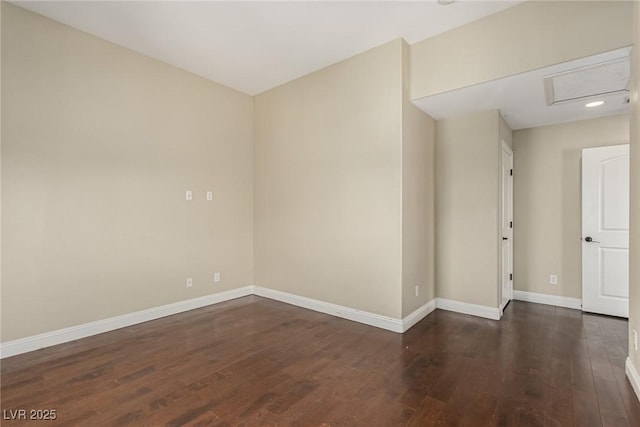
(506, 225)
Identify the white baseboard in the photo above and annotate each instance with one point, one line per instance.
(360, 316)
(558, 301)
(48, 339)
(466, 308)
(418, 315)
(633, 376)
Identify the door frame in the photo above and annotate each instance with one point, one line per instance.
(504, 147)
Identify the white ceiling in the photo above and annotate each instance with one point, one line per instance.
(254, 46)
(521, 98)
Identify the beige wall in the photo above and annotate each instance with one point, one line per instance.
(467, 174)
(99, 146)
(328, 183)
(634, 241)
(547, 201)
(418, 197)
(531, 35)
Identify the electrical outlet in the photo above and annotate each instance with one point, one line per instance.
(635, 339)
(189, 282)
(216, 277)
(209, 195)
(188, 195)
(417, 290)
(553, 279)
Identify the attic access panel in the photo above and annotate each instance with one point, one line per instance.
(607, 78)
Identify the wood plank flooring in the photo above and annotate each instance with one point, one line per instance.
(257, 362)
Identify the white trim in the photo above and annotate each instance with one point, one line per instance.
(48, 339)
(466, 308)
(504, 147)
(558, 301)
(418, 315)
(360, 316)
(372, 319)
(633, 376)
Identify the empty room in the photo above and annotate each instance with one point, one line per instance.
(320, 213)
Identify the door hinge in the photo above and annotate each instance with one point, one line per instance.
(510, 224)
(511, 172)
(510, 276)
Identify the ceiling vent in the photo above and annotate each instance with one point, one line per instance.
(604, 79)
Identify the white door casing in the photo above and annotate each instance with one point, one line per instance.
(605, 230)
(506, 225)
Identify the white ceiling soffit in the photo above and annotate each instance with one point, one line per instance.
(522, 98)
(254, 46)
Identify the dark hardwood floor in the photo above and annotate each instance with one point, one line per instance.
(257, 362)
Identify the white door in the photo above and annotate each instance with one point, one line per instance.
(605, 230)
(506, 220)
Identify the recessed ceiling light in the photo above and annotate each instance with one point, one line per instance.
(594, 104)
(445, 2)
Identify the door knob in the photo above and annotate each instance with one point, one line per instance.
(590, 240)
(505, 238)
